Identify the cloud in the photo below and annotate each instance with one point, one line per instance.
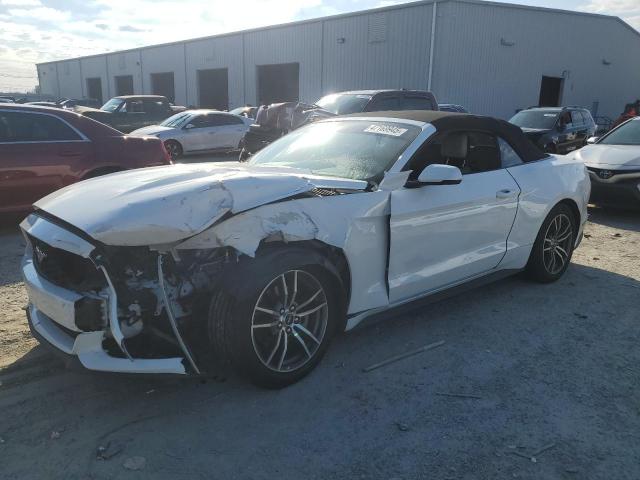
(20, 3)
(131, 28)
(628, 10)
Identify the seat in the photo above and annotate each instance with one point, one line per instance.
(454, 149)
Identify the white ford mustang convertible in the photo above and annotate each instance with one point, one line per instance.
(168, 269)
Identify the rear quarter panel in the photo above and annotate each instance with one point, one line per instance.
(543, 185)
(126, 152)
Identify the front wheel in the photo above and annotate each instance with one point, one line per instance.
(277, 324)
(173, 148)
(553, 247)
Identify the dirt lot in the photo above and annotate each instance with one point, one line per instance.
(548, 365)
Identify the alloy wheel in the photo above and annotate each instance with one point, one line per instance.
(556, 247)
(289, 321)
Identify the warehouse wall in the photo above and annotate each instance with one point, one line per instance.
(294, 44)
(48, 79)
(125, 63)
(95, 67)
(475, 66)
(166, 58)
(69, 78)
(220, 52)
(389, 49)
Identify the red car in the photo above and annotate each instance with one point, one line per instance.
(44, 149)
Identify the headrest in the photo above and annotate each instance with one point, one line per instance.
(455, 145)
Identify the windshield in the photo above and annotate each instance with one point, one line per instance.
(540, 119)
(360, 150)
(112, 105)
(343, 104)
(626, 134)
(177, 120)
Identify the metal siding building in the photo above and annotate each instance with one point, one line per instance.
(490, 57)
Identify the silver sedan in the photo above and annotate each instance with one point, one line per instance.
(198, 131)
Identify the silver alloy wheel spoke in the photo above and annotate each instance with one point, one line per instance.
(302, 329)
(304, 345)
(295, 288)
(563, 253)
(275, 348)
(565, 236)
(266, 310)
(286, 290)
(313, 297)
(265, 325)
(313, 310)
(284, 352)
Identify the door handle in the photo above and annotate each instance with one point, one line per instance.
(506, 193)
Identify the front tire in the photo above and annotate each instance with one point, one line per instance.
(553, 248)
(276, 321)
(173, 148)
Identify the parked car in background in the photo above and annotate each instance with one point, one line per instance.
(556, 129)
(603, 124)
(613, 162)
(7, 100)
(128, 113)
(247, 111)
(197, 131)
(452, 107)
(79, 102)
(344, 103)
(49, 104)
(44, 149)
(163, 270)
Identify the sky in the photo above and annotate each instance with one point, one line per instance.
(33, 31)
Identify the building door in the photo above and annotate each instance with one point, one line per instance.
(162, 84)
(213, 88)
(278, 83)
(550, 91)
(124, 85)
(94, 89)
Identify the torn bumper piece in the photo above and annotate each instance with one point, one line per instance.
(54, 315)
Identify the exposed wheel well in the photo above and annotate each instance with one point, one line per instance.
(102, 171)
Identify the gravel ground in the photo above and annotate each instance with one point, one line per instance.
(547, 366)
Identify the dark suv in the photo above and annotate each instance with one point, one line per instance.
(556, 129)
(344, 103)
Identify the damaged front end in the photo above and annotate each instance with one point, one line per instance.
(118, 309)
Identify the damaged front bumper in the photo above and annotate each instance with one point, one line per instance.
(82, 325)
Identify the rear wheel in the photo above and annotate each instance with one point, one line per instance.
(277, 324)
(173, 148)
(553, 247)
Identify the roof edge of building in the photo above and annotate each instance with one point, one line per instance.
(295, 23)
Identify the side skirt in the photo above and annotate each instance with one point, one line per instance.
(382, 313)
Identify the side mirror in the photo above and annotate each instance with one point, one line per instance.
(189, 126)
(592, 140)
(438, 174)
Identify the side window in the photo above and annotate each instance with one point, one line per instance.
(484, 154)
(472, 152)
(223, 120)
(135, 106)
(30, 127)
(155, 106)
(565, 119)
(508, 155)
(200, 121)
(417, 103)
(384, 104)
(576, 118)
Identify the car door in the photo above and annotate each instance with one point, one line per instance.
(156, 110)
(581, 126)
(441, 235)
(39, 153)
(566, 133)
(225, 131)
(198, 133)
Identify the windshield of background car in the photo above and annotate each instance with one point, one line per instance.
(177, 120)
(356, 149)
(539, 119)
(344, 104)
(626, 134)
(112, 105)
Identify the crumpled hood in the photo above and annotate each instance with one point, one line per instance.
(163, 205)
(150, 130)
(609, 156)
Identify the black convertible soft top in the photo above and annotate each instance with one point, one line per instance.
(449, 121)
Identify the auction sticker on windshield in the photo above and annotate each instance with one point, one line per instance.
(385, 130)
